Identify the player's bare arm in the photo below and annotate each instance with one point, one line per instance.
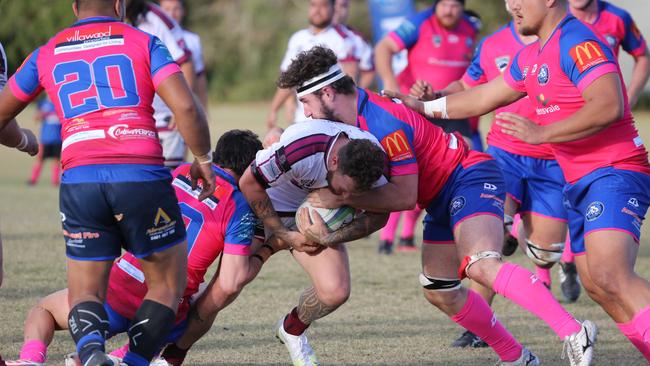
(468, 103)
(193, 126)
(11, 134)
(384, 52)
(640, 75)
(262, 206)
(363, 225)
(399, 194)
(234, 273)
(603, 106)
(189, 74)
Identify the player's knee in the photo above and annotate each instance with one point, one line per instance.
(544, 257)
(479, 266)
(608, 281)
(441, 292)
(334, 296)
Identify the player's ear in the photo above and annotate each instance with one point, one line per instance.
(328, 93)
(75, 10)
(120, 9)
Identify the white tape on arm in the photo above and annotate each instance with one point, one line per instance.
(436, 108)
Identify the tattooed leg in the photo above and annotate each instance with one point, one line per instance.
(310, 307)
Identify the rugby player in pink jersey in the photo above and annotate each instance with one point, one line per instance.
(102, 74)
(440, 43)
(533, 178)
(573, 79)
(620, 31)
(223, 223)
(463, 192)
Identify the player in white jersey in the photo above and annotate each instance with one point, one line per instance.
(321, 32)
(176, 10)
(310, 156)
(363, 50)
(150, 18)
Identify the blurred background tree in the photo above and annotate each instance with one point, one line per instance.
(243, 40)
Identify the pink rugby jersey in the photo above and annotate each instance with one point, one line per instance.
(221, 223)
(101, 75)
(554, 76)
(413, 144)
(618, 28)
(435, 54)
(492, 57)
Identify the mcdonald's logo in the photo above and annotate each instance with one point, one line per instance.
(397, 146)
(587, 54)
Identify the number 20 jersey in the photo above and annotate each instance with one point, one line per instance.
(101, 75)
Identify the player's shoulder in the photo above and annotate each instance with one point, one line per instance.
(574, 32)
(422, 16)
(618, 12)
(310, 127)
(157, 15)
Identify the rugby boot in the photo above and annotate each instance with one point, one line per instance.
(469, 339)
(527, 359)
(98, 359)
(406, 245)
(579, 346)
(299, 349)
(385, 247)
(569, 282)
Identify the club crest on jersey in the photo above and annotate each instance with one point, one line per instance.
(611, 40)
(543, 75)
(457, 204)
(594, 211)
(437, 40)
(542, 100)
(502, 63)
(396, 146)
(587, 54)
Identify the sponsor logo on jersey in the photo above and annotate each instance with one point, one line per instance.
(543, 76)
(547, 110)
(541, 99)
(587, 54)
(525, 73)
(452, 38)
(489, 187)
(396, 146)
(594, 211)
(611, 40)
(633, 202)
(502, 63)
(437, 40)
(123, 132)
(456, 205)
(88, 38)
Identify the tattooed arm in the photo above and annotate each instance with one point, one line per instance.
(262, 206)
(362, 226)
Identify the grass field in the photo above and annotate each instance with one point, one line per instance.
(387, 321)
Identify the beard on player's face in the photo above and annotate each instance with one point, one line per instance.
(580, 4)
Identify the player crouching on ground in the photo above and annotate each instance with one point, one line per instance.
(223, 223)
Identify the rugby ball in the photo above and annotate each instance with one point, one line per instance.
(335, 218)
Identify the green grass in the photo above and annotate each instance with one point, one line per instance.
(386, 321)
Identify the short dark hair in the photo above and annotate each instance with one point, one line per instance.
(95, 4)
(236, 149)
(134, 9)
(311, 63)
(363, 161)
